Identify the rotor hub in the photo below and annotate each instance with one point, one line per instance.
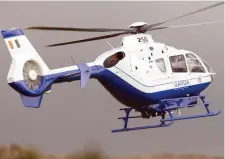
(138, 24)
(32, 75)
(140, 27)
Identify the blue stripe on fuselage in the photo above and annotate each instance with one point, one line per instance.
(120, 89)
(130, 96)
(48, 80)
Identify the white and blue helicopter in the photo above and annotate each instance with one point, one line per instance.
(144, 75)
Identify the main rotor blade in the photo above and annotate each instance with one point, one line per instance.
(187, 25)
(184, 15)
(89, 39)
(77, 29)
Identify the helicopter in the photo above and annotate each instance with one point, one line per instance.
(146, 76)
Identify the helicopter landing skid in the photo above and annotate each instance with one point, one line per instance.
(203, 99)
(125, 119)
(166, 106)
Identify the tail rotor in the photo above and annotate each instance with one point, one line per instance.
(32, 75)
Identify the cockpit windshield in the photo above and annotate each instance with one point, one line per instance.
(208, 67)
(194, 65)
(189, 63)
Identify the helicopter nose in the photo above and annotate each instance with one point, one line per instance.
(212, 76)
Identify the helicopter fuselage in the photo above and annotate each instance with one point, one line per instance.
(140, 72)
(143, 72)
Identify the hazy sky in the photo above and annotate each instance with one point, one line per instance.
(70, 117)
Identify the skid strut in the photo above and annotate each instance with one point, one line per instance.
(186, 104)
(165, 106)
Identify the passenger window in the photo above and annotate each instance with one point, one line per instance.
(194, 64)
(161, 64)
(178, 63)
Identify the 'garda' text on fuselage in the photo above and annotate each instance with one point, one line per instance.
(181, 83)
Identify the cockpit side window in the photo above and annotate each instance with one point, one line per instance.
(194, 64)
(178, 63)
(161, 64)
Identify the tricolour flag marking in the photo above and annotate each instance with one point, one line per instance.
(11, 44)
(14, 45)
(17, 43)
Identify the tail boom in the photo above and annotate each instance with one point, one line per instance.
(80, 72)
(33, 98)
(31, 77)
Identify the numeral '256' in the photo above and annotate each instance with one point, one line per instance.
(142, 39)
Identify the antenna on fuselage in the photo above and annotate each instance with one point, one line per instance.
(73, 60)
(164, 40)
(109, 45)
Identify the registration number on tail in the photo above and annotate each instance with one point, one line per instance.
(180, 83)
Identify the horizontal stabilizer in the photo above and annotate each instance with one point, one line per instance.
(33, 102)
(85, 73)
